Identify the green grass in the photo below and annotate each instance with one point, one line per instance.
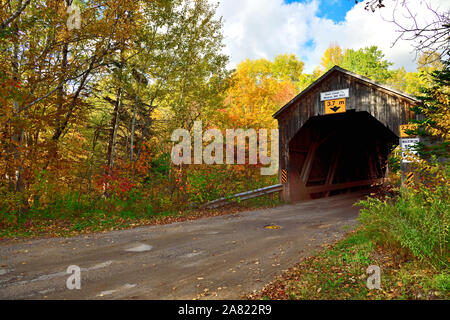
(75, 215)
(339, 272)
(415, 220)
(405, 234)
(57, 214)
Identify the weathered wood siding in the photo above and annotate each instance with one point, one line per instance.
(389, 108)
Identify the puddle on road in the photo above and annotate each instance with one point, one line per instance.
(193, 254)
(140, 248)
(4, 271)
(211, 232)
(98, 266)
(110, 292)
(106, 293)
(51, 276)
(47, 291)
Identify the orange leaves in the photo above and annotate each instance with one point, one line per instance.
(142, 165)
(258, 89)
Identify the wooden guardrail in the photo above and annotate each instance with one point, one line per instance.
(244, 196)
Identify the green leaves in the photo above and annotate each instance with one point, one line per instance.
(368, 62)
(434, 112)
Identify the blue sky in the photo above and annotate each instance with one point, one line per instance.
(331, 9)
(257, 29)
(334, 10)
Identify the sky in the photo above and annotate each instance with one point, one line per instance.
(265, 28)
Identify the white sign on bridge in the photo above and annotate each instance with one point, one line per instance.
(331, 95)
(408, 145)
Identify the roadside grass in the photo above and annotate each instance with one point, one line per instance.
(403, 229)
(66, 222)
(163, 197)
(339, 272)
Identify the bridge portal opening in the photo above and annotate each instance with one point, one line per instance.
(336, 135)
(337, 153)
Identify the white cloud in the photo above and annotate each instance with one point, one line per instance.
(264, 28)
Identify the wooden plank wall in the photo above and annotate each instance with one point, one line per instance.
(387, 107)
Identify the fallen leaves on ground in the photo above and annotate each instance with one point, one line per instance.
(67, 228)
(339, 272)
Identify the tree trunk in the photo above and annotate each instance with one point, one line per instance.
(133, 123)
(18, 131)
(114, 129)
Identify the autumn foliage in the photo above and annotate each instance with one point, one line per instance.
(86, 114)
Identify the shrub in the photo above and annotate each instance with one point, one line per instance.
(415, 220)
(206, 183)
(442, 282)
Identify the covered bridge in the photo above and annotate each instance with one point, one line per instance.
(336, 135)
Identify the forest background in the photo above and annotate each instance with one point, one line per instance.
(87, 113)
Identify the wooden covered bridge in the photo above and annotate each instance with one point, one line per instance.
(336, 135)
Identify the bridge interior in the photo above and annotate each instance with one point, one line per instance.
(338, 153)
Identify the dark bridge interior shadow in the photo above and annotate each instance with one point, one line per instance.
(338, 153)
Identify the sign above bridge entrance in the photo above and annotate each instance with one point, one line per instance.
(335, 106)
(332, 95)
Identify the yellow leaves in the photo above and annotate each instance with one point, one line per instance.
(442, 119)
(259, 88)
(332, 56)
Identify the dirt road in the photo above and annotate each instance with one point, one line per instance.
(212, 258)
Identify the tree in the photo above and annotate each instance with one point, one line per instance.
(332, 56)
(372, 4)
(368, 62)
(72, 101)
(432, 35)
(13, 15)
(408, 82)
(170, 75)
(52, 73)
(287, 67)
(434, 114)
(429, 61)
(258, 88)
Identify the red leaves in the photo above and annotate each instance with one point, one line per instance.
(11, 83)
(112, 183)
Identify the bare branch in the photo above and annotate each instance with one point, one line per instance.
(14, 16)
(425, 35)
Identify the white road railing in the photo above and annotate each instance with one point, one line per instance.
(244, 196)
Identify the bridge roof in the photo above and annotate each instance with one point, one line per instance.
(350, 74)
